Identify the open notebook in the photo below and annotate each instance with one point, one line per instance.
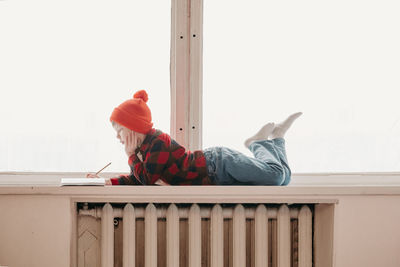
(83, 181)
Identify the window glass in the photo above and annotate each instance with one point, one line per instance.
(336, 61)
(64, 66)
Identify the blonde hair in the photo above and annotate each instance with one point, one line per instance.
(139, 137)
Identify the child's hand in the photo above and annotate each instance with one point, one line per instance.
(130, 144)
(161, 182)
(92, 175)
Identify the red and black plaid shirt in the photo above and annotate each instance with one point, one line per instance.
(163, 158)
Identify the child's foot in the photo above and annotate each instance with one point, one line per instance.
(281, 128)
(262, 134)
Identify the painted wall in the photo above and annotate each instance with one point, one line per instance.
(367, 232)
(35, 230)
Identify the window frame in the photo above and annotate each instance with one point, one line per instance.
(187, 72)
(186, 87)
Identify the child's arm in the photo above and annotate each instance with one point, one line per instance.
(130, 179)
(148, 172)
(125, 180)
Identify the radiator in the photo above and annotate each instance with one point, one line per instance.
(244, 220)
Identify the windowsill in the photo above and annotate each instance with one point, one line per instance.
(299, 179)
(304, 188)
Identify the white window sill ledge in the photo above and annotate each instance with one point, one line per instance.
(305, 188)
(311, 179)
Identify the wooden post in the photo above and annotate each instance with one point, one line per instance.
(186, 72)
(196, 75)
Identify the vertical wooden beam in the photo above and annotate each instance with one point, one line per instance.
(186, 72)
(196, 75)
(179, 71)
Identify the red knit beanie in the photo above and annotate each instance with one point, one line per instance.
(134, 113)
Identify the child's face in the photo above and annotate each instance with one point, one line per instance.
(122, 132)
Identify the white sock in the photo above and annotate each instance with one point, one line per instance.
(281, 128)
(262, 134)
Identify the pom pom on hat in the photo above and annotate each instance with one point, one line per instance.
(141, 95)
(134, 113)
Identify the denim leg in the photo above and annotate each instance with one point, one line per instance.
(280, 148)
(268, 152)
(230, 167)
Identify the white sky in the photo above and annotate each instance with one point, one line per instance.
(64, 65)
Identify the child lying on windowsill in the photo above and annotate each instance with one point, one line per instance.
(155, 158)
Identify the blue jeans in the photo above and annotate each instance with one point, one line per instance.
(269, 167)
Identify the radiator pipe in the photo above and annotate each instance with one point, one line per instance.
(205, 212)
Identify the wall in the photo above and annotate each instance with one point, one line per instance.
(35, 231)
(367, 231)
(36, 222)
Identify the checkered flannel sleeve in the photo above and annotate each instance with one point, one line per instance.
(130, 179)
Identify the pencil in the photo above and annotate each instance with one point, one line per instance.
(103, 168)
